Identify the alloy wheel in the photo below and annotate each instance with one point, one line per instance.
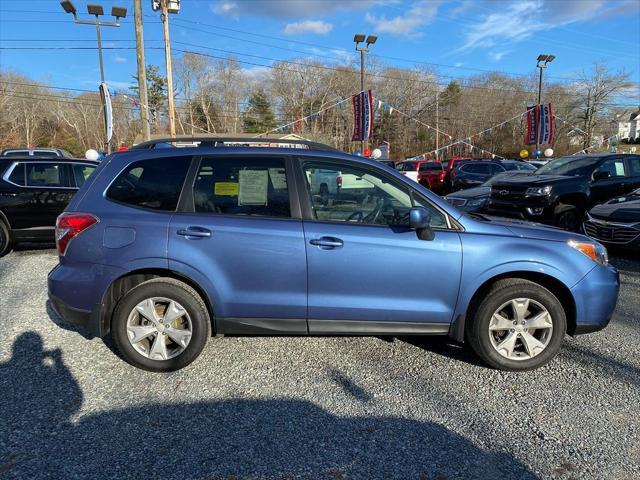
(520, 329)
(159, 328)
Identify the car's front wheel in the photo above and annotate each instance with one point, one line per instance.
(161, 325)
(519, 325)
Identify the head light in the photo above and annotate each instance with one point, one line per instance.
(539, 190)
(593, 250)
(479, 202)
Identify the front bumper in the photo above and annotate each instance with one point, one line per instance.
(596, 296)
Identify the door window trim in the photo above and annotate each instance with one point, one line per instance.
(9, 171)
(186, 204)
(306, 202)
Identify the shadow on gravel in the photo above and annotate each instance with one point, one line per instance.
(614, 368)
(279, 439)
(445, 347)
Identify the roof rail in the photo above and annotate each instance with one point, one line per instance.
(231, 142)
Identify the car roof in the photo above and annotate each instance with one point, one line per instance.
(27, 158)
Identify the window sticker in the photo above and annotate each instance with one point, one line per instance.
(619, 169)
(278, 178)
(254, 186)
(226, 189)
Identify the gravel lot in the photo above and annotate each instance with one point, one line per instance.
(335, 408)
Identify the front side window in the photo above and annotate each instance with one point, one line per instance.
(242, 186)
(81, 173)
(352, 194)
(54, 175)
(614, 167)
(154, 183)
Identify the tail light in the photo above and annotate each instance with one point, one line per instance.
(339, 181)
(69, 226)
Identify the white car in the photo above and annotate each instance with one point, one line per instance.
(332, 185)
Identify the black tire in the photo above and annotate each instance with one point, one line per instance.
(5, 239)
(174, 290)
(568, 217)
(477, 332)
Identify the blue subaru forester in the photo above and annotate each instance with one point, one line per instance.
(164, 247)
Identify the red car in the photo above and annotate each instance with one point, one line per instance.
(432, 175)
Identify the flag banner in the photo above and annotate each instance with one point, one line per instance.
(545, 119)
(532, 125)
(108, 113)
(362, 116)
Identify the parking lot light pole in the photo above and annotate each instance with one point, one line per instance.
(97, 11)
(543, 60)
(359, 38)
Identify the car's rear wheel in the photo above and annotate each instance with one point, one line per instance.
(161, 325)
(5, 239)
(519, 325)
(568, 217)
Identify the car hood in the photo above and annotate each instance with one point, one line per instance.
(538, 231)
(471, 193)
(535, 180)
(620, 209)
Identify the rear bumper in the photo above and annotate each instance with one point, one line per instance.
(89, 321)
(596, 296)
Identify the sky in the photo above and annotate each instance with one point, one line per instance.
(458, 38)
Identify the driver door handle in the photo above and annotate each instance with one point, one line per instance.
(327, 243)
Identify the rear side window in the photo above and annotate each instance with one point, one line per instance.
(45, 154)
(634, 166)
(155, 183)
(242, 186)
(17, 175)
(53, 175)
(81, 173)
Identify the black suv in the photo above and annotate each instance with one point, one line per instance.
(474, 174)
(33, 192)
(560, 192)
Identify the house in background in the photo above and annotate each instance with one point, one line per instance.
(629, 130)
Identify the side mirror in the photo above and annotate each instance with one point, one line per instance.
(420, 220)
(600, 175)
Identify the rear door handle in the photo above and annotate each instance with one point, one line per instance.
(193, 233)
(327, 243)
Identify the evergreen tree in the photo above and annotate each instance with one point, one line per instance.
(156, 91)
(259, 117)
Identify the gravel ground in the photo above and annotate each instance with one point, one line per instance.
(335, 408)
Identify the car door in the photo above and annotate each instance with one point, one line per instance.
(238, 231)
(633, 170)
(368, 272)
(614, 185)
(48, 189)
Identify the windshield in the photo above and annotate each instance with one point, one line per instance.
(570, 166)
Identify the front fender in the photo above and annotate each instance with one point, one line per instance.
(483, 261)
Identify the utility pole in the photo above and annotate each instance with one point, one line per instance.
(370, 40)
(543, 60)
(167, 56)
(437, 124)
(142, 71)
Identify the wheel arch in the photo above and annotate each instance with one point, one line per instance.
(579, 200)
(126, 282)
(555, 286)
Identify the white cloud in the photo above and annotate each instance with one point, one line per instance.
(420, 13)
(497, 56)
(317, 27)
(119, 59)
(286, 8)
(520, 19)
